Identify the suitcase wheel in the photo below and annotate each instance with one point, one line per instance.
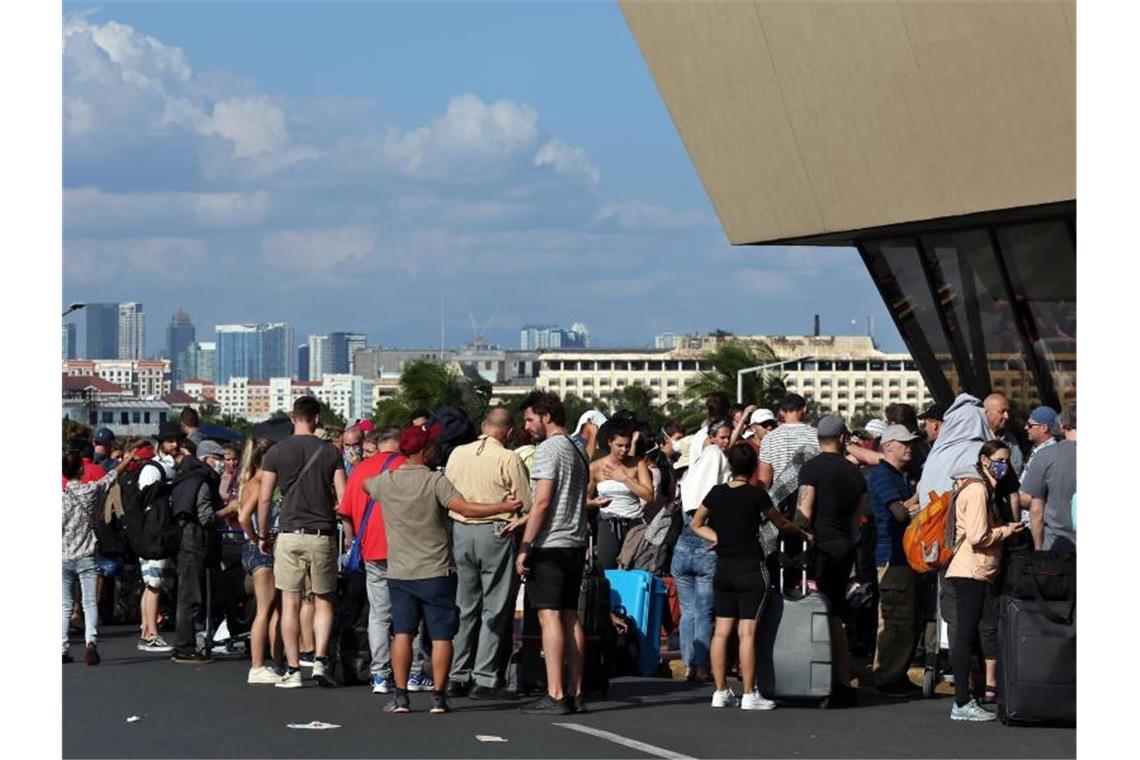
(928, 682)
(825, 703)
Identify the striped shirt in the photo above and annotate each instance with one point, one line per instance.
(780, 450)
(561, 461)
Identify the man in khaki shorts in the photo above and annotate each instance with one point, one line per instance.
(310, 473)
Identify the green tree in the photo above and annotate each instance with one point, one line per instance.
(330, 418)
(864, 413)
(430, 385)
(639, 400)
(764, 389)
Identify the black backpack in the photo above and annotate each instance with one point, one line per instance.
(147, 517)
(110, 534)
(456, 431)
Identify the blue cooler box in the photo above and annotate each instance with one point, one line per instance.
(643, 596)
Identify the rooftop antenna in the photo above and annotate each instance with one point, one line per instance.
(442, 333)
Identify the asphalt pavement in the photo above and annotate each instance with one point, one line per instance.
(209, 711)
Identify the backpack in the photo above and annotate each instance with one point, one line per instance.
(627, 645)
(147, 518)
(929, 538)
(110, 534)
(644, 545)
(457, 430)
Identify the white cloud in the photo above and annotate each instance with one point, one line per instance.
(567, 159)
(91, 208)
(152, 260)
(254, 125)
(635, 215)
(316, 249)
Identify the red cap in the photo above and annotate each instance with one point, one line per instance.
(365, 426)
(413, 438)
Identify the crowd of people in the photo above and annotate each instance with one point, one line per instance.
(443, 531)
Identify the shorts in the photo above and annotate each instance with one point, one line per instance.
(739, 588)
(297, 557)
(108, 567)
(833, 564)
(555, 578)
(158, 574)
(253, 559)
(429, 599)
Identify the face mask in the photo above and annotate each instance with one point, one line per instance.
(999, 468)
(218, 467)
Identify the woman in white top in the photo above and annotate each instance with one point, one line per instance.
(619, 484)
(693, 564)
(259, 566)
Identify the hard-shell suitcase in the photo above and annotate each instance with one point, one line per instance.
(1037, 661)
(793, 647)
(643, 596)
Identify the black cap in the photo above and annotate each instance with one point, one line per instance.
(933, 412)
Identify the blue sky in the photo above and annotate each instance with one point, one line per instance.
(345, 166)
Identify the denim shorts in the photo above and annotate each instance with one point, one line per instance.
(109, 567)
(252, 558)
(429, 599)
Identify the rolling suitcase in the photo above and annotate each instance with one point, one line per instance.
(643, 596)
(793, 646)
(1037, 661)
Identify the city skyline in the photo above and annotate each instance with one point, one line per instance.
(207, 167)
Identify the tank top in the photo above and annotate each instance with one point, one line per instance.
(624, 503)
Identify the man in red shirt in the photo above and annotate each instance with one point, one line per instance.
(374, 551)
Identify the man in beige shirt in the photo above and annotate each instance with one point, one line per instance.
(487, 472)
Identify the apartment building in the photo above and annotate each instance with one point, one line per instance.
(143, 378)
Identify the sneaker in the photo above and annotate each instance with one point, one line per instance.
(756, 701)
(842, 696)
(291, 680)
(91, 655)
(381, 684)
(460, 689)
(478, 691)
(546, 705)
(724, 698)
(399, 704)
(262, 675)
(439, 704)
(970, 711)
(191, 657)
(420, 682)
(322, 675)
(578, 705)
(307, 659)
(155, 644)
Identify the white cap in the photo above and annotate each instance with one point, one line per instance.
(761, 416)
(876, 428)
(592, 416)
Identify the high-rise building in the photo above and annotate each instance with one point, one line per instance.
(132, 331)
(179, 338)
(254, 351)
(353, 342)
(581, 333)
(320, 356)
(537, 337)
(69, 340)
(201, 362)
(303, 362)
(102, 331)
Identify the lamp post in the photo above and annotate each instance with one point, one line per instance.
(740, 373)
(74, 307)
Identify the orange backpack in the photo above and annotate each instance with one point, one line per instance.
(927, 541)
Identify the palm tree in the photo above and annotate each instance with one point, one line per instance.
(430, 385)
(721, 366)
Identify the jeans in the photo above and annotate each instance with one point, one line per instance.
(693, 569)
(190, 563)
(86, 569)
(380, 622)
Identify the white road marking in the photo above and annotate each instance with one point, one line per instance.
(625, 742)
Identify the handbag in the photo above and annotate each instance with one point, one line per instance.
(769, 538)
(354, 560)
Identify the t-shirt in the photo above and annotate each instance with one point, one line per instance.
(838, 485)
(309, 502)
(735, 513)
(374, 545)
(885, 485)
(415, 503)
(781, 444)
(1053, 478)
(559, 460)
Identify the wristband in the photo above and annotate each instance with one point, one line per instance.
(524, 547)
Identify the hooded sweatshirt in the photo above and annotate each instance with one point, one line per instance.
(963, 432)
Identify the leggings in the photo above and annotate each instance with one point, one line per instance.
(970, 603)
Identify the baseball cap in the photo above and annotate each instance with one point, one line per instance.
(897, 433)
(876, 428)
(761, 416)
(365, 426)
(933, 412)
(104, 435)
(210, 449)
(593, 416)
(831, 426)
(414, 438)
(1044, 415)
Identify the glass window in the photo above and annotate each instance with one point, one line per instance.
(655, 382)
(859, 366)
(689, 365)
(604, 382)
(124, 418)
(621, 366)
(108, 418)
(136, 417)
(605, 365)
(671, 384)
(654, 366)
(146, 418)
(826, 366)
(860, 383)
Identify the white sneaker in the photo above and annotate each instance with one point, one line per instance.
(154, 645)
(321, 674)
(971, 711)
(755, 701)
(263, 675)
(724, 698)
(290, 681)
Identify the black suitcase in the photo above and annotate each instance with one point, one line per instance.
(350, 656)
(1037, 661)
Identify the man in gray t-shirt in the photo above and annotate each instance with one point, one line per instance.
(1051, 484)
(551, 556)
